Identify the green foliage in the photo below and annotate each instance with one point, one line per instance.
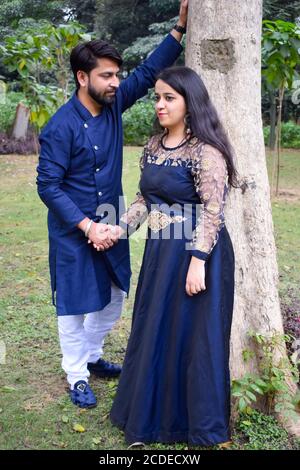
(11, 11)
(262, 432)
(143, 46)
(42, 50)
(83, 11)
(36, 53)
(290, 135)
(8, 110)
(272, 378)
(280, 60)
(277, 9)
(246, 389)
(15, 13)
(44, 101)
(280, 56)
(138, 122)
(113, 17)
(164, 6)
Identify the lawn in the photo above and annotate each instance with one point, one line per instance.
(35, 411)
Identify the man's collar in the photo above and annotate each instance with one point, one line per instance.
(80, 108)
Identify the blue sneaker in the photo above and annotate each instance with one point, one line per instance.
(82, 395)
(104, 369)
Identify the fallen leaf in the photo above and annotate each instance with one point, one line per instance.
(136, 444)
(225, 445)
(78, 428)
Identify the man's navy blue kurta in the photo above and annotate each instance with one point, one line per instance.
(80, 168)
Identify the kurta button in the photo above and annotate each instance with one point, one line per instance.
(97, 169)
(100, 194)
(96, 147)
(85, 125)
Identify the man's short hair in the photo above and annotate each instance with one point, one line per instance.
(84, 56)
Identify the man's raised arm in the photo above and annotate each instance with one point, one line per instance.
(143, 77)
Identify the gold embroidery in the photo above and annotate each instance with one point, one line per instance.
(209, 171)
(213, 207)
(202, 246)
(206, 164)
(159, 220)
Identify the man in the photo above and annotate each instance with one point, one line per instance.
(79, 170)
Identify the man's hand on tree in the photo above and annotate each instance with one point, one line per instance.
(183, 13)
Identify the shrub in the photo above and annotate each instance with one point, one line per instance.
(262, 432)
(290, 135)
(138, 123)
(21, 146)
(271, 381)
(8, 110)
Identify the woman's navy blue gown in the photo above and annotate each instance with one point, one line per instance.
(175, 383)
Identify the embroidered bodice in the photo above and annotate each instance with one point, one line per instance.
(209, 176)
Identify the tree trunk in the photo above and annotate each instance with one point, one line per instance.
(278, 138)
(273, 113)
(20, 126)
(99, 24)
(224, 47)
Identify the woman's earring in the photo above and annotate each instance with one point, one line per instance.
(186, 121)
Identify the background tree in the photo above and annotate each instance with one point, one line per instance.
(36, 54)
(288, 10)
(12, 11)
(224, 47)
(280, 54)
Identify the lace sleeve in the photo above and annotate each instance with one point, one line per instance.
(211, 184)
(137, 212)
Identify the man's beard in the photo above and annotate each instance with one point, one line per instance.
(99, 97)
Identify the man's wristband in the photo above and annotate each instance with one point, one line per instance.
(180, 29)
(88, 228)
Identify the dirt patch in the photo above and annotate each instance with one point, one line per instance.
(289, 195)
(18, 164)
(50, 389)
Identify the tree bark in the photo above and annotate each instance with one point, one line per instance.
(278, 138)
(272, 96)
(20, 126)
(224, 47)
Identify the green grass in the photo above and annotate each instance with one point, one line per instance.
(35, 411)
(286, 217)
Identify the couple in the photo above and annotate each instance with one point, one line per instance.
(174, 385)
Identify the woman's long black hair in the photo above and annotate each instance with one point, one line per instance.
(203, 118)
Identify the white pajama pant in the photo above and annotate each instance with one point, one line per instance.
(82, 336)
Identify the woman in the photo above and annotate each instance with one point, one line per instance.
(175, 383)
